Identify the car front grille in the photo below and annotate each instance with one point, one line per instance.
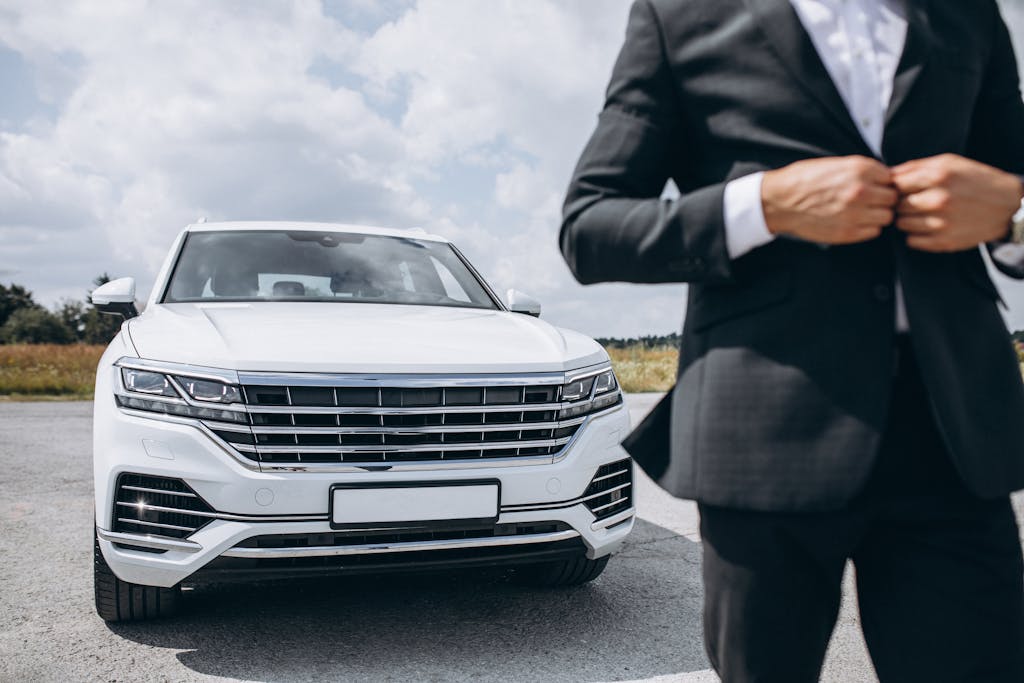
(297, 423)
(611, 489)
(158, 506)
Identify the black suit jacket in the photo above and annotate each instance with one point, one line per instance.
(787, 352)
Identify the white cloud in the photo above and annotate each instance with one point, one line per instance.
(188, 109)
(462, 116)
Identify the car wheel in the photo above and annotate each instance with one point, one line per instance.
(118, 600)
(563, 573)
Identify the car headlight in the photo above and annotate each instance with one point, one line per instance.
(206, 390)
(143, 382)
(605, 382)
(590, 394)
(574, 391)
(156, 392)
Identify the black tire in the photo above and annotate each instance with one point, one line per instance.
(118, 600)
(563, 573)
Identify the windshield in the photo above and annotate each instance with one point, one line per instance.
(322, 266)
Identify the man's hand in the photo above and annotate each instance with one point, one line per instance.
(950, 203)
(835, 200)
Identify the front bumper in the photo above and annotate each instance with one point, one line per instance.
(251, 504)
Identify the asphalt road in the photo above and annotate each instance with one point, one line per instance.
(639, 621)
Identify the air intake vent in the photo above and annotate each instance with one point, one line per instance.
(411, 535)
(611, 490)
(158, 506)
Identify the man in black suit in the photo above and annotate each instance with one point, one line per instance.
(847, 388)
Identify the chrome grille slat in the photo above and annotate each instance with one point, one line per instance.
(601, 508)
(412, 420)
(228, 427)
(161, 506)
(610, 491)
(604, 492)
(189, 529)
(401, 546)
(433, 429)
(406, 410)
(609, 476)
(144, 489)
(416, 448)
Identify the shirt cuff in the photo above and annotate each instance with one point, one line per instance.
(745, 227)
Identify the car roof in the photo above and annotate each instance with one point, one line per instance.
(297, 226)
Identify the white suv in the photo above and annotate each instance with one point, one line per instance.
(308, 399)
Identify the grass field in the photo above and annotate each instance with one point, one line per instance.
(47, 371)
(640, 369)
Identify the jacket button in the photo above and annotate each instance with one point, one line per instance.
(883, 293)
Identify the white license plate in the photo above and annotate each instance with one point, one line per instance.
(387, 505)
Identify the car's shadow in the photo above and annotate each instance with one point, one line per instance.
(640, 619)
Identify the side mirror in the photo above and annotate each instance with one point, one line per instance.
(522, 303)
(116, 297)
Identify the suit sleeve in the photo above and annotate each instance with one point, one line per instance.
(997, 128)
(615, 225)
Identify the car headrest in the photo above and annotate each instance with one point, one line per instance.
(289, 288)
(233, 280)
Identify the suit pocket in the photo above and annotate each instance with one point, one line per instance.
(716, 304)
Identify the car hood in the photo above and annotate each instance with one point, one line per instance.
(357, 338)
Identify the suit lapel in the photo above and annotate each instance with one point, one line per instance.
(789, 40)
(915, 54)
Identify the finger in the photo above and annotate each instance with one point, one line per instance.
(908, 166)
(874, 171)
(923, 163)
(920, 225)
(922, 243)
(933, 243)
(883, 196)
(926, 201)
(860, 234)
(916, 179)
(876, 217)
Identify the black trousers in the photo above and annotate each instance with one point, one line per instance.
(940, 579)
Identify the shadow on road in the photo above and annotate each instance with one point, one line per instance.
(640, 619)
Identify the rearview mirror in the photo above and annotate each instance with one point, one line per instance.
(522, 303)
(116, 297)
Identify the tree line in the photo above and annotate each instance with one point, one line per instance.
(650, 341)
(25, 321)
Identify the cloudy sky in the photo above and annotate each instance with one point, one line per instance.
(122, 121)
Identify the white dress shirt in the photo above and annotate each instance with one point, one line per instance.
(860, 42)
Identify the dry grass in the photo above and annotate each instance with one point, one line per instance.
(46, 371)
(640, 369)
